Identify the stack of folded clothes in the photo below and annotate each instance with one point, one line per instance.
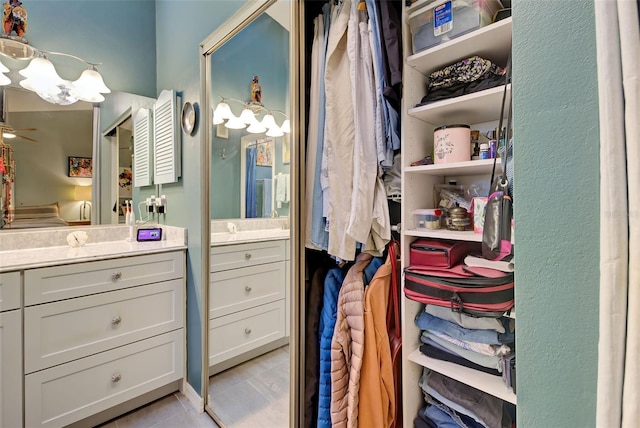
(480, 343)
(453, 404)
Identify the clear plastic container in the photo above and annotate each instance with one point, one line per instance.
(444, 20)
(427, 218)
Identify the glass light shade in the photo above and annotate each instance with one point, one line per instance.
(91, 80)
(286, 126)
(40, 86)
(3, 68)
(275, 131)
(217, 120)
(41, 76)
(88, 96)
(223, 111)
(256, 127)
(8, 135)
(4, 80)
(268, 121)
(63, 98)
(235, 123)
(247, 116)
(40, 67)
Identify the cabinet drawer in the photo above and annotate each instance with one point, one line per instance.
(243, 255)
(238, 289)
(70, 392)
(11, 368)
(58, 332)
(9, 291)
(81, 279)
(237, 333)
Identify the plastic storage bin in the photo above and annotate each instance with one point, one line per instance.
(444, 20)
(427, 219)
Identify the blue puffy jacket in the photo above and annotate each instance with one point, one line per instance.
(332, 284)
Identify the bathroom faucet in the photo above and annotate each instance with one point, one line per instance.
(274, 214)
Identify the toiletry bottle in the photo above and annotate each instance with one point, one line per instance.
(476, 151)
(127, 213)
(484, 151)
(132, 223)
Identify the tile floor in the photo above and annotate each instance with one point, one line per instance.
(172, 411)
(254, 394)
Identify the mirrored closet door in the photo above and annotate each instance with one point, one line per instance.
(249, 102)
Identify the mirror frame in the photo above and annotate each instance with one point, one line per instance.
(232, 26)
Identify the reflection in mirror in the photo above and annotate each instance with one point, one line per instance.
(249, 92)
(48, 182)
(256, 57)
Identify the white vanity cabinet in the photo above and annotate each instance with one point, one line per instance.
(11, 347)
(248, 301)
(99, 334)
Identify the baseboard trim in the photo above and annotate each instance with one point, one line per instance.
(193, 396)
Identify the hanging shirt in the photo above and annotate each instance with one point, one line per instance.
(339, 135)
(314, 143)
(365, 161)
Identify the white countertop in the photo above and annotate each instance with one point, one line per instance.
(61, 255)
(225, 238)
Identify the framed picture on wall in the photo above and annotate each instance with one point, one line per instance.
(125, 178)
(80, 167)
(264, 156)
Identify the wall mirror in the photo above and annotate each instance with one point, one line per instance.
(248, 92)
(66, 160)
(51, 149)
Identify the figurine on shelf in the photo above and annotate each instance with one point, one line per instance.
(256, 90)
(14, 18)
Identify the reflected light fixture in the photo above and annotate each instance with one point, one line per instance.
(43, 79)
(235, 123)
(248, 118)
(83, 193)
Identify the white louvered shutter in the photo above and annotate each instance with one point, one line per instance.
(142, 135)
(166, 139)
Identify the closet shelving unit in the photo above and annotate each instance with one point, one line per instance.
(481, 109)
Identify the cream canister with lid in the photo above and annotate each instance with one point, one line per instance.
(451, 143)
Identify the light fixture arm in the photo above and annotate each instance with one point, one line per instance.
(92, 64)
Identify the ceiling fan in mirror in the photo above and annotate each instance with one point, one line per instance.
(8, 133)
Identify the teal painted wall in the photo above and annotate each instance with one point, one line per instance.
(120, 35)
(180, 28)
(556, 199)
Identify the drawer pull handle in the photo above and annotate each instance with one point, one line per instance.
(247, 256)
(247, 331)
(247, 289)
(116, 276)
(116, 377)
(116, 320)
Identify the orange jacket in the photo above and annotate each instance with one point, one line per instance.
(377, 402)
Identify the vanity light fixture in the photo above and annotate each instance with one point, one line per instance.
(248, 118)
(42, 78)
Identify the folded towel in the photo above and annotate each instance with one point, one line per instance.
(282, 189)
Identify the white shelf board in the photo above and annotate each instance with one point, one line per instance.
(475, 167)
(466, 235)
(478, 107)
(490, 384)
(492, 42)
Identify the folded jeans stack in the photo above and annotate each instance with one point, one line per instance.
(480, 343)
